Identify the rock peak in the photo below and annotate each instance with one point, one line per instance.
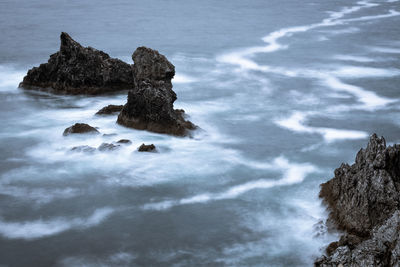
(68, 44)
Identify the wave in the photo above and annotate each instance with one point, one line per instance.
(10, 78)
(292, 173)
(43, 228)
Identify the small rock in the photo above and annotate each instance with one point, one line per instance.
(147, 148)
(108, 135)
(124, 141)
(108, 147)
(110, 109)
(86, 149)
(80, 128)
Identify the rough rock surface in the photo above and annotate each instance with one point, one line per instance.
(80, 70)
(80, 128)
(150, 104)
(110, 109)
(363, 200)
(147, 148)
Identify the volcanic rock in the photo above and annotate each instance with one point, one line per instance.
(80, 128)
(150, 103)
(79, 70)
(147, 148)
(363, 200)
(110, 109)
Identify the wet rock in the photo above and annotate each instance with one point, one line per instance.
(80, 128)
(110, 134)
(110, 109)
(363, 200)
(150, 104)
(86, 149)
(124, 141)
(108, 147)
(80, 70)
(147, 148)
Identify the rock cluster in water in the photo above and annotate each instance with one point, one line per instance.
(84, 70)
(363, 200)
(150, 105)
(79, 70)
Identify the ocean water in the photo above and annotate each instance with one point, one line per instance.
(283, 91)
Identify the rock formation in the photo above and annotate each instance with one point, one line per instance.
(150, 104)
(363, 200)
(79, 70)
(80, 128)
(110, 109)
(84, 70)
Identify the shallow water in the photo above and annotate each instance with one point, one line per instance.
(283, 91)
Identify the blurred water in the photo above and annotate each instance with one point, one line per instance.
(283, 91)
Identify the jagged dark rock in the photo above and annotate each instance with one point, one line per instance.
(363, 200)
(80, 70)
(150, 104)
(108, 147)
(80, 128)
(147, 148)
(110, 109)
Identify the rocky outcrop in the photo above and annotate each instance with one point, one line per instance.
(80, 70)
(80, 128)
(110, 109)
(84, 70)
(150, 104)
(147, 148)
(363, 200)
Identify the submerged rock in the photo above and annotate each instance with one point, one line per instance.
(108, 147)
(147, 148)
(124, 141)
(80, 128)
(110, 109)
(86, 149)
(150, 104)
(80, 70)
(363, 200)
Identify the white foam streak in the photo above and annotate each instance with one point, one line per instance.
(292, 173)
(42, 228)
(241, 58)
(354, 58)
(296, 123)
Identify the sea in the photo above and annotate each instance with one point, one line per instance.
(283, 92)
